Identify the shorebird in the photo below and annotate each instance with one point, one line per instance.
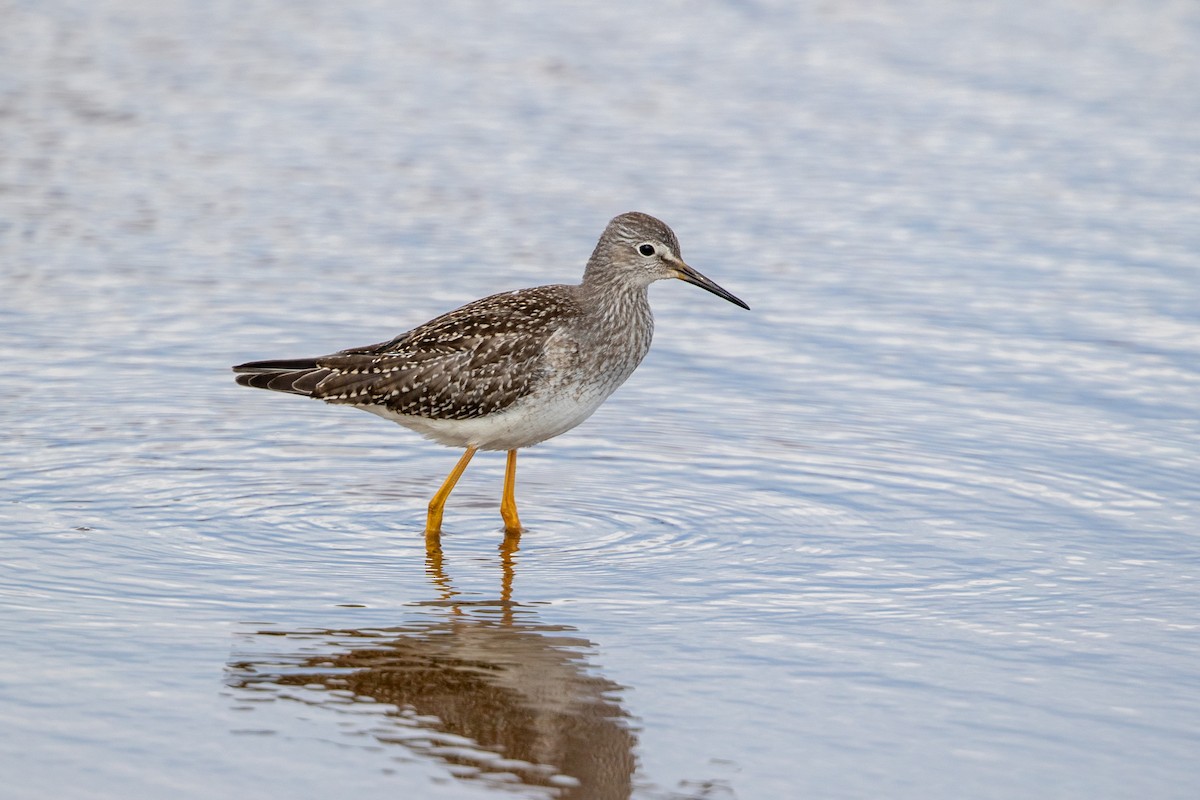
(510, 370)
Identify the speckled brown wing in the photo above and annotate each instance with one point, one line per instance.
(473, 361)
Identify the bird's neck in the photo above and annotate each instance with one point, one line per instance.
(613, 294)
(618, 315)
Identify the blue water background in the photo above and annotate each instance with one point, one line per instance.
(922, 524)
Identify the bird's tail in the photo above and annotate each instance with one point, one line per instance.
(295, 376)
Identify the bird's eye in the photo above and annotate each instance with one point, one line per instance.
(646, 249)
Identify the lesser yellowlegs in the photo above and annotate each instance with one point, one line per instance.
(510, 370)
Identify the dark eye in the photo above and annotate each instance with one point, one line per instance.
(646, 249)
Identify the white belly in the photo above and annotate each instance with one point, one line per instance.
(523, 424)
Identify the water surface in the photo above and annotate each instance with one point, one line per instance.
(922, 524)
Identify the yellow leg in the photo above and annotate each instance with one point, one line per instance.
(433, 522)
(508, 503)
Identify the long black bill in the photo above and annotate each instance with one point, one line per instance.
(686, 273)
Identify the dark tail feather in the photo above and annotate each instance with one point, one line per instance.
(296, 376)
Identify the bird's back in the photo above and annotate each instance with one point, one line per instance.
(473, 361)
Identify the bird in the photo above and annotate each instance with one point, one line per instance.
(510, 370)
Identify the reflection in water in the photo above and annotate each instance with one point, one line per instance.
(481, 687)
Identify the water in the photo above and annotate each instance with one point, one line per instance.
(922, 524)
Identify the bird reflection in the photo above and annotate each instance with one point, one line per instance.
(480, 685)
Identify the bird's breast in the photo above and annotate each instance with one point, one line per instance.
(597, 357)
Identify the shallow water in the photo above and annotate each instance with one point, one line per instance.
(921, 524)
